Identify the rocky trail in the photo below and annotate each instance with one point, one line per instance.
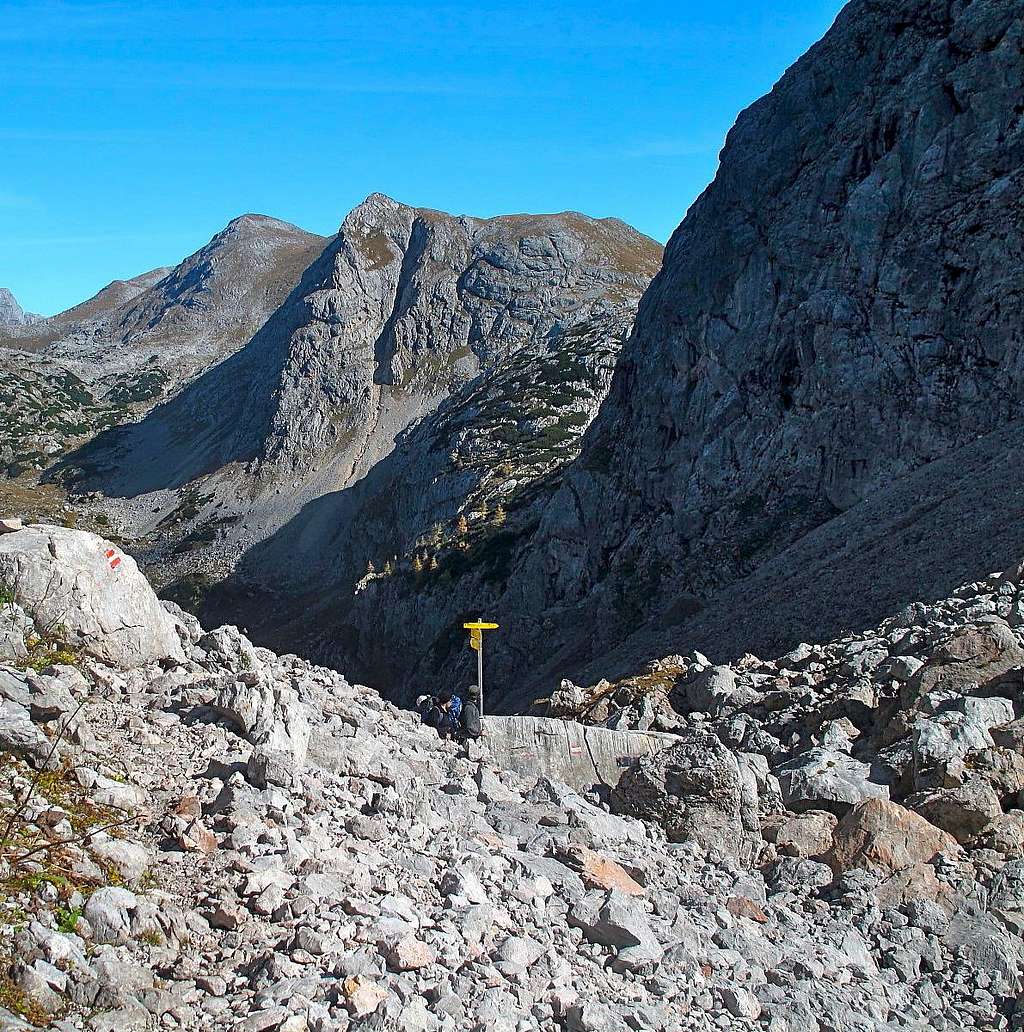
(285, 850)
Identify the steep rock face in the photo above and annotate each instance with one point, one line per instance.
(818, 406)
(426, 538)
(408, 315)
(841, 307)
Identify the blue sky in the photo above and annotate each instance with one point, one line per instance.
(132, 132)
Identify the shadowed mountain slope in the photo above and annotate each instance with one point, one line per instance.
(838, 311)
(842, 307)
(108, 359)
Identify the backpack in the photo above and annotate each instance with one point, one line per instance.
(452, 716)
(471, 720)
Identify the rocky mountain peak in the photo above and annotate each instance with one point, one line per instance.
(12, 316)
(375, 209)
(401, 312)
(246, 231)
(115, 355)
(255, 221)
(223, 272)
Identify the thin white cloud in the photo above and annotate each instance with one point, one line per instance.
(668, 148)
(76, 240)
(12, 201)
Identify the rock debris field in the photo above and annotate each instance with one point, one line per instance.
(200, 834)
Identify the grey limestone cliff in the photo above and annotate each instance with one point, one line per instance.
(13, 318)
(839, 309)
(816, 415)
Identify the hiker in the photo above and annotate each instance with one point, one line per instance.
(471, 724)
(450, 706)
(429, 710)
(442, 711)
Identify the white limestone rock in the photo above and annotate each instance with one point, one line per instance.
(89, 592)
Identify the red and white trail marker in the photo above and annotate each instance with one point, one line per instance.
(113, 559)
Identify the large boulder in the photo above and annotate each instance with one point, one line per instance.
(581, 756)
(614, 920)
(90, 592)
(807, 836)
(886, 838)
(697, 790)
(947, 743)
(272, 717)
(984, 657)
(227, 647)
(940, 745)
(827, 779)
(716, 691)
(965, 811)
(109, 913)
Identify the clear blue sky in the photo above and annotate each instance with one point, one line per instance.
(131, 132)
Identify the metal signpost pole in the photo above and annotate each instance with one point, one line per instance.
(480, 673)
(476, 641)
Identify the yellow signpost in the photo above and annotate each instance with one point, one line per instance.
(476, 642)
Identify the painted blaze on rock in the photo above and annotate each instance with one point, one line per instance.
(88, 590)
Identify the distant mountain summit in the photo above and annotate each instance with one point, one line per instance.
(12, 316)
(138, 340)
(402, 307)
(186, 316)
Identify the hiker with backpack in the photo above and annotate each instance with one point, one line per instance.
(429, 711)
(443, 711)
(451, 709)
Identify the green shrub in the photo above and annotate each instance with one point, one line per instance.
(67, 918)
